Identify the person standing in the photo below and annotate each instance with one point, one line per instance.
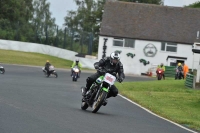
(185, 69)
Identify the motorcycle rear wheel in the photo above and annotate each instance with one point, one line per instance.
(97, 104)
(3, 71)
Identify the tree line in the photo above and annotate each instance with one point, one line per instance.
(31, 21)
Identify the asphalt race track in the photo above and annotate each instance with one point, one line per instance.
(32, 103)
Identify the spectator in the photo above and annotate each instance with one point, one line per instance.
(185, 69)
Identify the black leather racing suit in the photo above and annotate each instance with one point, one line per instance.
(47, 67)
(105, 63)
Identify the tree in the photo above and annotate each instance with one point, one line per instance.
(14, 19)
(194, 5)
(44, 26)
(86, 20)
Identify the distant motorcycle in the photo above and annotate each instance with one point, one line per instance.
(179, 74)
(159, 73)
(75, 73)
(51, 72)
(2, 70)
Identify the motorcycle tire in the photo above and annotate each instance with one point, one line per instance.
(97, 104)
(159, 77)
(74, 78)
(56, 75)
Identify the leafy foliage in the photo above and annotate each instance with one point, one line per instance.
(194, 5)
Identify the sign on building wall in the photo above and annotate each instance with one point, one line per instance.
(150, 50)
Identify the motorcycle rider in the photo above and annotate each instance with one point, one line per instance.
(161, 66)
(47, 64)
(112, 64)
(180, 69)
(76, 63)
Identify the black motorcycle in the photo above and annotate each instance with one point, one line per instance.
(51, 72)
(2, 70)
(98, 91)
(179, 74)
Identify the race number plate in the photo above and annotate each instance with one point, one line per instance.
(109, 79)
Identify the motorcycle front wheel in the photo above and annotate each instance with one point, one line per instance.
(159, 76)
(56, 75)
(97, 104)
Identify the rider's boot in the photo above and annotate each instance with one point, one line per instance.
(83, 90)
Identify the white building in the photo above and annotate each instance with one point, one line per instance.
(157, 34)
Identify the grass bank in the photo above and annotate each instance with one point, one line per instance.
(28, 58)
(167, 98)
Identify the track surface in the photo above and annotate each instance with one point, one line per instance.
(31, 103)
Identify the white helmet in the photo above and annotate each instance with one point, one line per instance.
(77, 60)
(114, 58)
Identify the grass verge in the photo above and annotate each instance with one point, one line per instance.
(35, 59)
(167, 98)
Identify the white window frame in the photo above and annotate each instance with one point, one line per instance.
(166, 45)
(123, 42)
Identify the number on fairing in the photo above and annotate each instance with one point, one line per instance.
(109, 79)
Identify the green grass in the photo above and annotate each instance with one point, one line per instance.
(28, 58)
(167, 98)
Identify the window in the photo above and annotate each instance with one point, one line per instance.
(118, 42)
(168, 46)
(124, 42)
(129, 43)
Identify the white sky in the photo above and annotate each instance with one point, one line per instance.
(59, 8)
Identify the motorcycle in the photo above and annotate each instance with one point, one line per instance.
(98, 91)
(179, 74)
(2, 70)
(75, 73)
(159, 73)
(51, 72)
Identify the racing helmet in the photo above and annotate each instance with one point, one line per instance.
(114, 58)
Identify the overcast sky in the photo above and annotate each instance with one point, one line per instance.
(59, 8)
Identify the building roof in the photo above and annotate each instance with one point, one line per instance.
(150, 22)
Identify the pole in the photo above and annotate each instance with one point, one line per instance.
(64, 44)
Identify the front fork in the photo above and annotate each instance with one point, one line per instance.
(101, 89)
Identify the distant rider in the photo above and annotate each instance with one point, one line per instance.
(161, 66)
(180, 69)
(47, 65)
(112, 64)
(76, 63)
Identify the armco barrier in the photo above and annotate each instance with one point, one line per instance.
(190, 81)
